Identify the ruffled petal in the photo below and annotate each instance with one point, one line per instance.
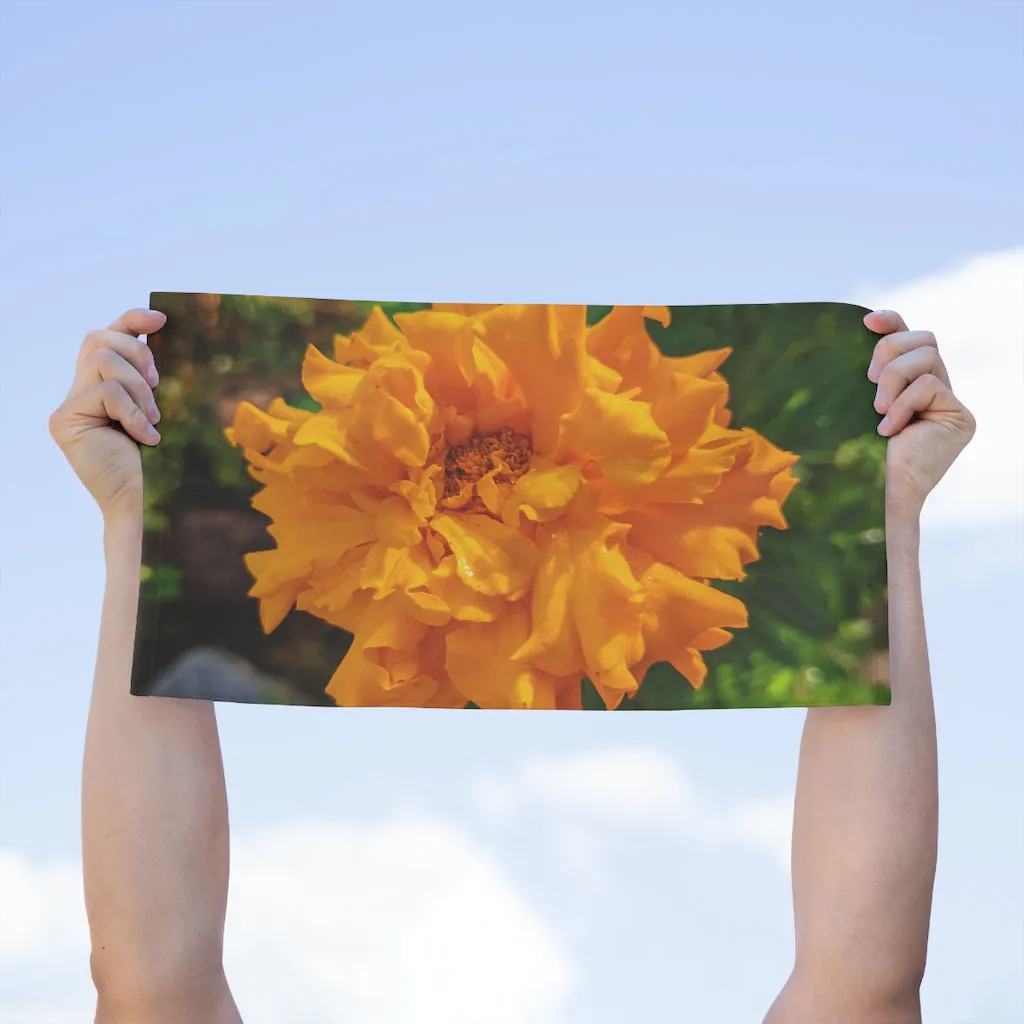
(397, 524)
(377, 337)
(685, 406)
(543, 347)
(490, 557)
(700, 364)
(395, 408)
(553, 644)
(543, 493)
(750, 495)
(481, 666)
(690, 538)
(448, 338)
(607, 605)
(382, 665)
(387, 569)
(461, 600)
(620, 341)
(689, 478)
(619, 434)
(332, 384)
(258, 430)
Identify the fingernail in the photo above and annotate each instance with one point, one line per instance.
(878, 400)
(884, 425)
(872, 369)
(153, 377)
(154, 413)
(152, 433)
(156, 312)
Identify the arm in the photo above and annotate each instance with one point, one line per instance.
(866, 816)
(154, 808)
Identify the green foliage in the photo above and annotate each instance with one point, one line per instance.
(797, 374)
(161, 582)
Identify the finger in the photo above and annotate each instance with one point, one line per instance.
(106, 402)
(139, 321)
(884, 321)
(892, 346)
(127, 346)
(106, 364)
(905, 369)
(926, 396)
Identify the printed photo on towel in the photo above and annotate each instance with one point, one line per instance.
(513, 506)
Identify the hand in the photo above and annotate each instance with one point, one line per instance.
(927, 425)
(114, 379)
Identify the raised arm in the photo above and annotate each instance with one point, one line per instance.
(866, 817)
(154, 809)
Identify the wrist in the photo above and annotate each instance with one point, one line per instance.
(903, 515)
(122, 535)
(902, 530)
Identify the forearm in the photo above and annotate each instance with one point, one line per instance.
(154, 811)
(866, 815)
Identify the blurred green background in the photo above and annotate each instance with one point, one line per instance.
(816, 598)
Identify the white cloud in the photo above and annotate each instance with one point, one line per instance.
(587, 797)
(44, 943)
(405, 921)
(976, 311)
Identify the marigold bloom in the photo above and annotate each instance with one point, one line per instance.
(499, 501)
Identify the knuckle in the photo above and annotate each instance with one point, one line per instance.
(55, 422)
(888, 375)
(104, 358)
(137, 347)
(111, 390)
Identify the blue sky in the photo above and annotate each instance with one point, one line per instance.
(580, 152)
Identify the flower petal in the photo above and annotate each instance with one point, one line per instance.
(448, 338)
(693, 540)
(397, 524)
(388, 569)
(553, 644)
(543, 492)
(685, 406)
(750, 495)
(543, 347)
(495, 680)
(377, 337)
(332, 384)
(619, 434)
(421, 492)
(462, 601)
(491, 557)
(382, 665)
(253, 428)
(396, 409)
(606, 604)
(620, 341)
(700, 364)
(690, 478)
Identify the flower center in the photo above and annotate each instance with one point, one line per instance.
(505, 450)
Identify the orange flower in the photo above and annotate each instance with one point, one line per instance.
(498, 501)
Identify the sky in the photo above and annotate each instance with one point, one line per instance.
(513, 869)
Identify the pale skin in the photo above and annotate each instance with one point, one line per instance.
(154, 806)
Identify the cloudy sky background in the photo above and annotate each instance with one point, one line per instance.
(498, 868)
